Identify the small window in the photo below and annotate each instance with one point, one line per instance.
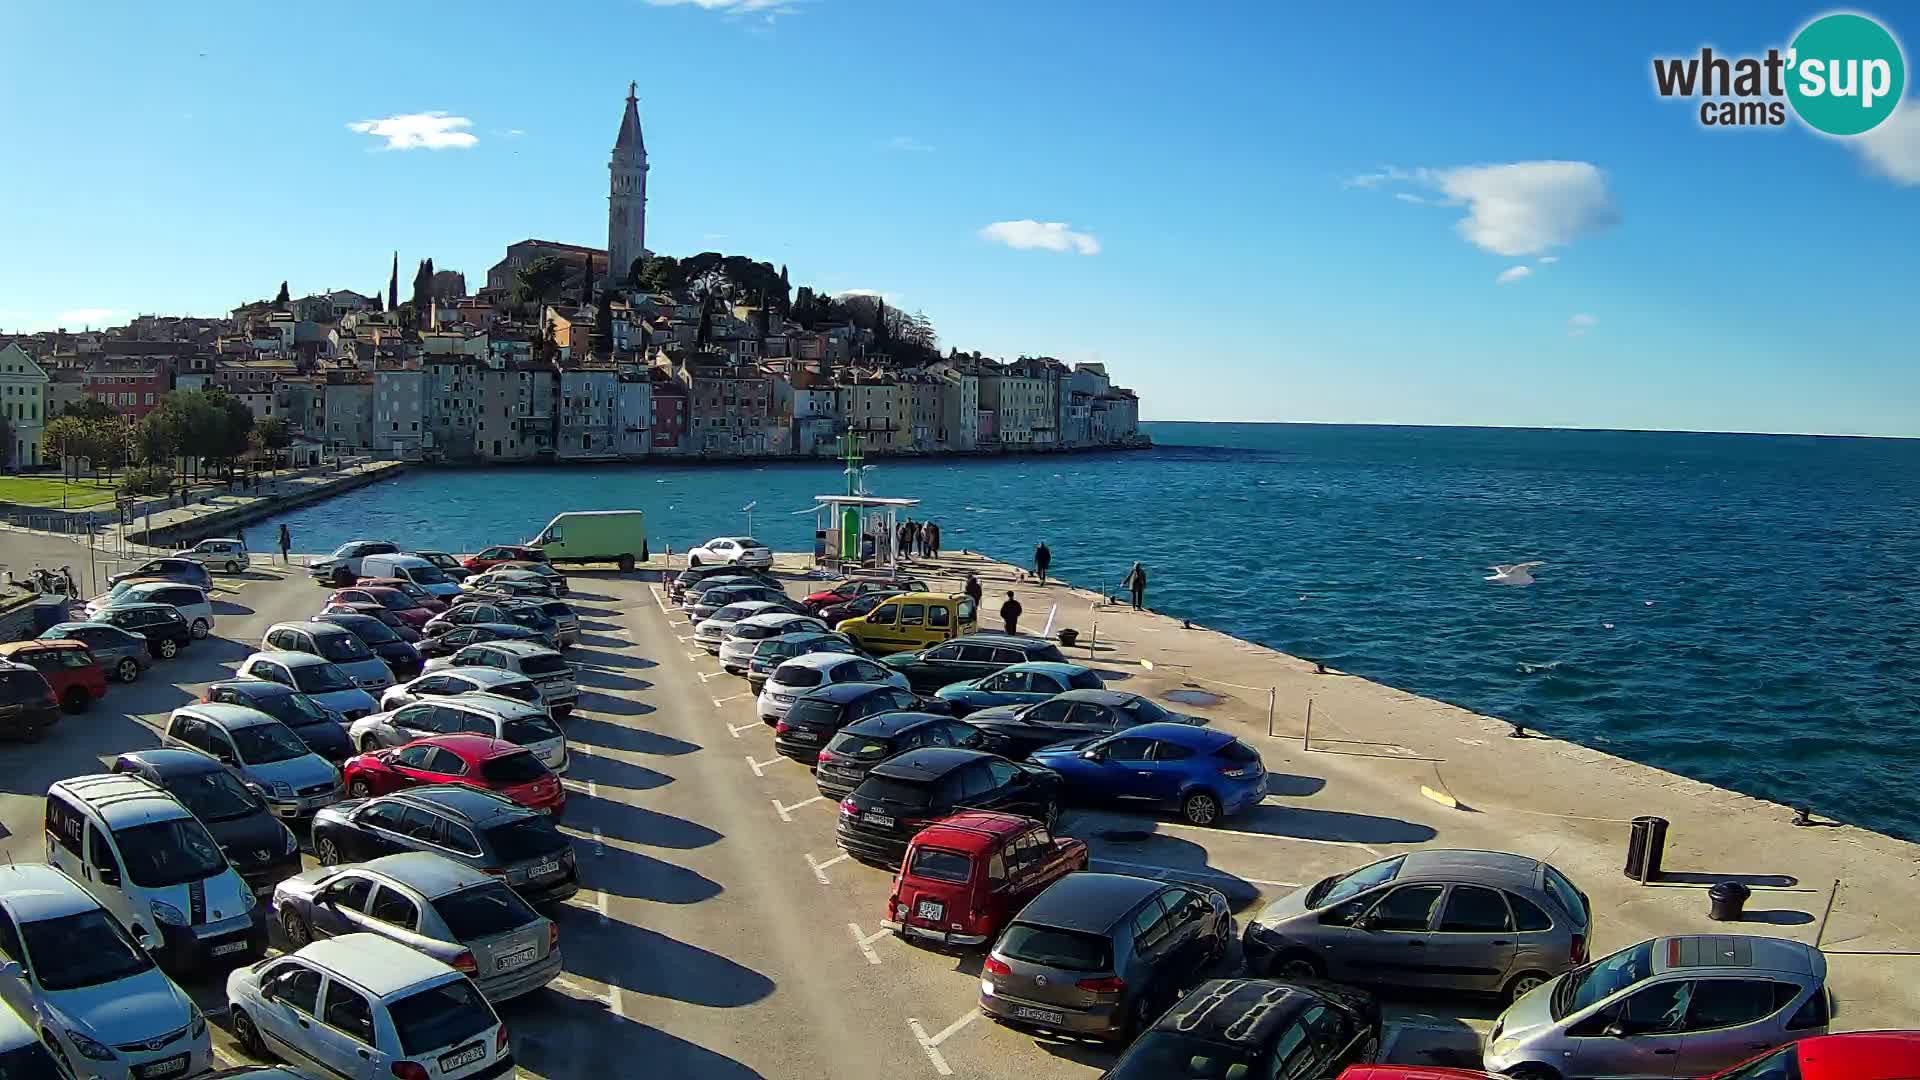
(913, 614)
(418, 824)
(1816, 1013)
(350, 893)
(1724, 1003)
(1406, 909)
(1149, 926)
(1474, 910)
(393, 907)
(942, 865)
(458, 838)
(1527, 915)
(297, 986)
(348, 1012)
(99, 852)
(883, 615)
(1166, 751)
(939, 617)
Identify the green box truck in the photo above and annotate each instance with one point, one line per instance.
(615, 536)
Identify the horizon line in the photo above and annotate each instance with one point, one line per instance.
(1540, 427)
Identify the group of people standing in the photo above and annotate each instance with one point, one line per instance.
(918, 538)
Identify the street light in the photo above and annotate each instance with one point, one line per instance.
(748, 510)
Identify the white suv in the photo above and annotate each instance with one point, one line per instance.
(69, 969)
(731, 551)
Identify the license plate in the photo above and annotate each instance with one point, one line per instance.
(229, 948)
(1040, 1016)
(802, 735)
(930, 909)
(516, 959)
(880, 819)
(165, 1068)
(461, 1058)
(544, 869)
(784, 699)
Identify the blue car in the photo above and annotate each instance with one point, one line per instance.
(1202, 773)
(1019, 684)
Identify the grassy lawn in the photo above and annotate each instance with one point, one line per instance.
(47, 491)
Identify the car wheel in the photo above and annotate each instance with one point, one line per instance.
(1531, 1071)
(626, 564)
(247, 1035)
(201, 629)
(1525, 983)
(693, 560)
(76, 699)
(367, 745)
(66, 1066)
(1369, 1050)
(358, 789)
(1297, 965)
(342, 577)
(128, 669)
(1200, 808)
(325, 850)
(296, 928)
(169, 648)
(233, 568)
(1139, 1019)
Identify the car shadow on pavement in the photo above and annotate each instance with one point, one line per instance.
(600, 658)
(606, 680)
(599, 641)
(30, 768)
(611, 772)
(643, 961)
(636, 824)
(558, 1035)
(606, 703)
(228, 607)
(590, 732)
(1164, 858)
(1293, 785)
(619, 872)
(582, 610)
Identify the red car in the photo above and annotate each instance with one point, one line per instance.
(474, 760)
(855, 588)
(393, 600)
(379, 611)
(965, 876)
(419, 596)
(488, 558)
(1858, 1055)
(76, 677)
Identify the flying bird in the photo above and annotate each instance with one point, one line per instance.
(1512, 574)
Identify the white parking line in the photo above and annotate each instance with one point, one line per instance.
(735, 729)
(1199, 871)
(719, 701)
(684, 638)
(695, 655)
(661, 599)
(759, 767)
(576, 990)
(786, 812)
(932, 1043)
(599, 845)
(705, 675)
(865, 942)
(820, 868)
(600, 905)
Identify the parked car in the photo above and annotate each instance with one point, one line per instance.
(1103, 954)
(411, 569)
(315, 676)
(256, 842)
(1856, 1055)
(577, 536)
(809, 672)
(292, 779)
(1022, 684)
(343, 567)
(69, 667)
(548, 670)
(491, 833)
(509, 612)
(162, 625)
(227, 553)
(487, 558)
(401, 658)
(433, 905)
(470, 760)
(474, 714)
(853, 588)
(900, 797)
(731, 551)
(973, 656)
(566, 621)
(820, 713)
(1257, 1027)
(22, 1052)
(71, 970)
(400, 627)
(448, 682)
(360, 1005)
(421, 596)
(835, 614)
(178, 568)
(445, 563)
(436, 649)
(404, 607)
(771, 653)
(189, 600)
(539, 570)
(337, 644)
(1203, 774)
(1482, 921)
(709, 632)
(322, 729)
(1675, 1007)
(867, 742)
(714, 577)
(1018, 730)
(122, 653)
(505, 584)
(713, 601)
(737, 647)
(912, 621)
(28, 705)
(965, 877)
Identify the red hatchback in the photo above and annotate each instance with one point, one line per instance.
(420, 596)
(1858, 1055)
(393, 600)
(76, 677)
(473, 760)
(964, 877)
(855, 588)
(488, 558)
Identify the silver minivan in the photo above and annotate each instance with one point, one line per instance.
(335, 643)
(1483, 921)
(266, 753)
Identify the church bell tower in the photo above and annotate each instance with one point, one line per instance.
(627, 194)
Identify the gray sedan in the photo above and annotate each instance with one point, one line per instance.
(453, 913)
(122, 654)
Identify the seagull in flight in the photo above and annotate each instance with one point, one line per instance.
(1512, 573)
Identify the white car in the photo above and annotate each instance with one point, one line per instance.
(709, 632)
(731, 551)
(220, 553)
(736, 648)
(190, 600)
(803, 673)
(474, 714)
(448, 682)
(70, 969)
(344, 566)
(335, 643)
(315, 676)
(360, 1005)
(547, 668)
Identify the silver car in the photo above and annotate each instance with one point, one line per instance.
(709, 632)
(459, 916)
(1670, 1007)
(1482, 921)
(335, 643)
(448, 682)
(292, 779)
(713, 600)
(122, 654)
(736, 649)
(475, 714)
(315, 676)
(548, 670)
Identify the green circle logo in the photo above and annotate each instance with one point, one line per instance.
(1846, 74)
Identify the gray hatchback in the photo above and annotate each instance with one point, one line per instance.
(1482, 921)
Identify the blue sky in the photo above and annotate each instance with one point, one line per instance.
(1226, 179)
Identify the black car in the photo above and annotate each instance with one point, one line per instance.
(323, 730)
(900, 797)
(691, 576)
(263, 851)
(28, 705)
(835, 614)
(163, 626)
(167, 568)
(1257, 1027)
(487, 832)
(402, 658)
(861, 745)
(460, 637)
(823, 711)
(1019, 730)
(970, 656)
(388, 618)
(494, 611)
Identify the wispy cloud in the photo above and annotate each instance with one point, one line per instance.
(909, 144)
(419, 131)
(768, 10)
(510, 133)
(1549, 260)
(1512, 274)
(1027, 234)
(1517, 208)
(1893, 148)
(1578, 325)
(86, 316)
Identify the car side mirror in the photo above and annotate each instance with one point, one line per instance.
(12, 970)
(1369, 921)
(1615, 1030)
(143, 937)
(108, 875)
(1094, 755)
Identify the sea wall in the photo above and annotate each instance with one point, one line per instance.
(227, 513)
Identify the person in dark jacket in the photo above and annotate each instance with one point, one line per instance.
(972, 589)
(286, 542)
(1042, 558)
(1010, 613)
(1136, 583)
(933, 542)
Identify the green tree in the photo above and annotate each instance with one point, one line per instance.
(6, 443)
(540, 279)
(62, 439)
(786, 291)
(423, 289)
(280, 299)
(88, 409)
(156, 438)
(268, 437)
(659, 273)
(603, 326)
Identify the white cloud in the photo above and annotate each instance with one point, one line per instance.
(735, 7)
(1417, 200)
(1517, 208)
(1549, 260)
(1512, 274)
(1578, 325)
(419, 131)
(1893, 148)
(908, 143)
(1027, 234)
(88, 316)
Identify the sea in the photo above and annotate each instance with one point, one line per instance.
(1741, 609)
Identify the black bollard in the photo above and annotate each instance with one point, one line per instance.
(1727, 901)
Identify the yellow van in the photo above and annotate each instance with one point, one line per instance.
(912, 621)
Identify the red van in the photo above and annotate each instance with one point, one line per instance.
(966, 876)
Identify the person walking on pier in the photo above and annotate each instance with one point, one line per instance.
(286, 542)
(933, 539)
(1136, 583)
(902, 537)
(1042, 558)
(1010, 613)
(972, 589)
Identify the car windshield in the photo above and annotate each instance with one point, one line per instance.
(215, 796)
(371, 630)
(295, 710)
(939, 864)
(1340, 886)
(544, 664)
(483, 911)
(511, 769)
(730, 613)
(531, 728)
(796, 675)
(518, 690)
(1067, 949)
(264, 744)
(526, 838)
(343, 647)
(1084, 680)
(1782, 1064)
(1602, 979)
(1169, 1055)
(28, 1062)
(427, 575)
(393, 599)
(1144, 711)
(321, 679)
(445, 1015)
(164, 853)
(755, 633)
(83, 949)
(858, 747)
(820, 712)
(908, 794)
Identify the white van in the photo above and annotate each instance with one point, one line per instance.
(412, 568)
(155, 866)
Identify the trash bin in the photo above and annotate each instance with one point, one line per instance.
(1644, 847)
(1729, 901)
(1068, 637)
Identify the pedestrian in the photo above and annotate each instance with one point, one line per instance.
(1010, 613)
(286, 542)
(972, 589)
(1042, 558)
(934, 546)
(1136, 583)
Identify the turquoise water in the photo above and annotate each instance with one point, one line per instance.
(1741, 609)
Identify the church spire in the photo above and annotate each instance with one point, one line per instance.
(630, 138)
(393, 285)
(627, 195)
